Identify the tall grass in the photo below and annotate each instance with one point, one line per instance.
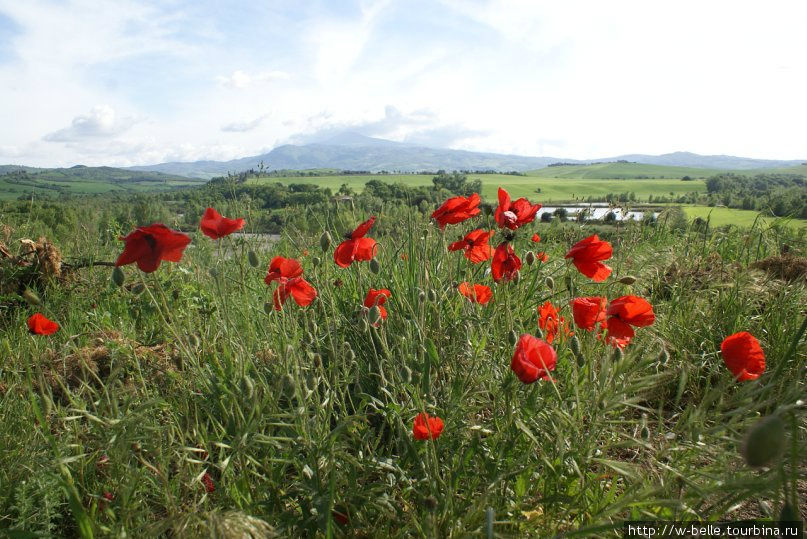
(303, 416)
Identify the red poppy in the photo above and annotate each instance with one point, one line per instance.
(340, 517)
(39, 325)
(476, 246)
(106, 498)
(356, 247)
(505, 263)
(214, 226)
(207, 481)
(477, 293)
(587, 255)
(515, 214)
(624, 312)
(377, 297)
(743, 355)
(288, 274)
(425, 427)
(551, 322)
(456, 210)
(542, 256)
(588, 312)
(148, 245)
(533, 358)
(535, 238)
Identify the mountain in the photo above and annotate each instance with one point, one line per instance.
(353, 151)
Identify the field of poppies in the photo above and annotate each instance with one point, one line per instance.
(464, 372)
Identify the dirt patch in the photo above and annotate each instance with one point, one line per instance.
(93, 365)
(696, 274)
(786, 267)
(35, 264)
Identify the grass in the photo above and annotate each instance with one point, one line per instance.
(721, 216)
(623, 171)
(302, 416)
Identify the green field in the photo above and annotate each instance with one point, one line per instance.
(720, 216)
(614, 171)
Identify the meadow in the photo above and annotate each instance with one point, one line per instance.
(181, 402)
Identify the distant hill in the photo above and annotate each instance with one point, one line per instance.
(17, 181)
(353, 151)
(618, 170)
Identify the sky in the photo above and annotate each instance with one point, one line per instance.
(124, 82)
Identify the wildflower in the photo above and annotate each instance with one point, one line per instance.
(743, 356)
(587, 255)
(535, 238)
(624, 312)
(456, 210)
(106, 498)
(425, 427)
(533, 358)
(477, 293)
(588, 312)
(356, 247)
(207, 481)
(516, 214)
(377, 298)
(148, 245)
(505, 263)
(288, 274)
(542, 256)
(551, 322)
(39, 325)
(214, 226)
(340, 516)
(475, 245)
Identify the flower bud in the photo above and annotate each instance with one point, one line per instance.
(252, 256)
(248, 386)
(375, 267)
(268, 307)
(539, 333)
(550, 283)
(138, 289)
(575, 346)
(432, 295)
(512, 337)
(325, 240)
(31, 297)
(374, 317)
(118, 277)
(213, 271)
(764, 442)
(421, 296)
(529, 258)
(645, 433)
(568, 281)
(627, 279)
(617, 355)
(664, 356)
(316, 261)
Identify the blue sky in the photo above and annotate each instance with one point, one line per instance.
(124, 82)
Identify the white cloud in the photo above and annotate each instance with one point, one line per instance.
(101, 122)
(240, 79)
(244, 126)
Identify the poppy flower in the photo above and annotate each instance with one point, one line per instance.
(148, 245)
(207, 481)
(588, 312)
(456, 210)
(505, 263)
(551, 322)
(478, 293)
(533, 358)
(288, 274)
(475, 245)
(743, 356)
(39, 325)
(356, 247)
(515, 214)
(214, 226)
(340, 516)
(377, 297)
(425, 427)
(535, 238)
(106, 498)
(624, 312)
(542, 256)
(587, 255)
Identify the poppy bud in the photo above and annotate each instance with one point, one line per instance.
(316, 261)
(375, 267)
(374, 317)
(529, 258)
(516, 277)
(268, 307)
(567, 279)
(430, 503)
(117, 276)
(617, 355)
(575, 345)
(512, 337)
(351, 355)
(213, 271)
(138, 289)
(288, 385)
(194, 340)
(486, 208)
(325, 240)
(432, 295)
(313, 326)
(645, 433)
(764, 442)
(406, 374)
(31, 297)
(664, 356)
(252, 256)
(550, 282)
(309, 338)
(539, 333)
(627, 279)
(421, 296)
(175, 294)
